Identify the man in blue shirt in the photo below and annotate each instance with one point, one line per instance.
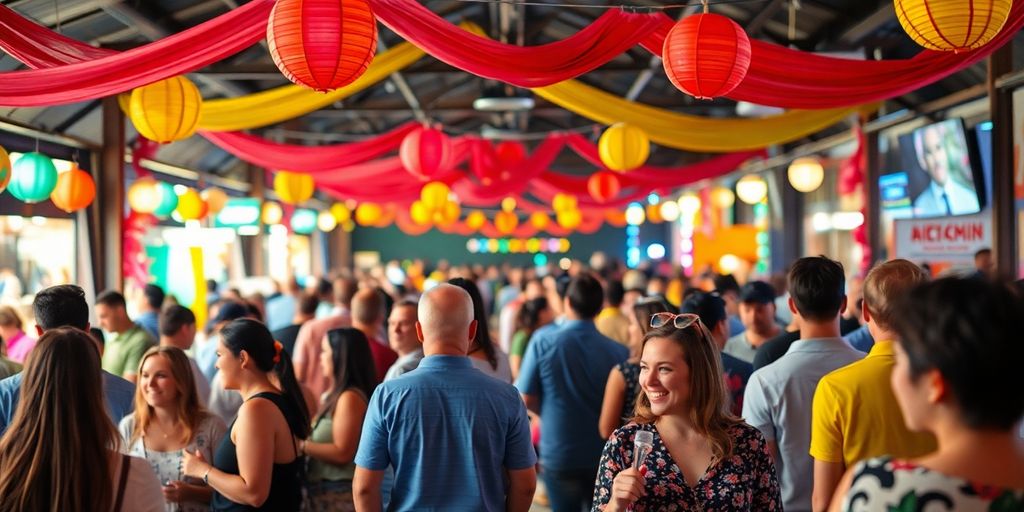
(562, 378)
(457, 438)
(65, 306)
(149, 309)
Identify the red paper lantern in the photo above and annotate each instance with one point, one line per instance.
(75, 190)
(706, 55)
(426, 152)
(603, 186)
(510, 154)
(322, 44)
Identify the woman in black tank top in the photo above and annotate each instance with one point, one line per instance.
(268, 425)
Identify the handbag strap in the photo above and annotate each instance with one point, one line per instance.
(126, 463)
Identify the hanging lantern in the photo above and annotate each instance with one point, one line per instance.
(349, 226)
(623, 147)
(448, 214)
(539, 220)
(508, 204)
(653, 213)
(806, 174)
(689, 205)
(476, 220)
(952, 25)
(706, 55)
(751, 189)
(563, 202)
(426, 152)
(303, 221)
(144, 195)
(75, 190)
(293, 187)
(510, 153)
(368, 214)
(326, 222)
(506, 222)
(215, 199)
(722, 198)
(669, 211)
(615, 218)
(434, 195)
(167, 200)
(272, 214)
(322, 44)
(5, 169)
(603, 186)
(191, 206)
(419, 213)
(167, 110)
(340, 212)
(34, 178)
(635, 214)
(569, 219)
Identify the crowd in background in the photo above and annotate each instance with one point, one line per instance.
(454, 387)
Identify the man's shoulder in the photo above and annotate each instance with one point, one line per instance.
(11, 384)
(113, 382)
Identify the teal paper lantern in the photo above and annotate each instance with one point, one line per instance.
(34, 178)
(168, 200)
(303, 221)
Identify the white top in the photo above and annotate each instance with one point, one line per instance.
(142, 491)
(504, 370)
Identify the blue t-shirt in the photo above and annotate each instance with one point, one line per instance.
(150, 322)
(280, 311)
(120, 396)
(860, 339)
(451, 432)
(567, 369)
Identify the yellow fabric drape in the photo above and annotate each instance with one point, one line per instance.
(692, 133)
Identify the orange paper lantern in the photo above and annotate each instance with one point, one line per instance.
(539, 220)
(615, 218)
(448, 214)
(706, 55)
(322, 44)
(476, 220)
(506, 222)
(216, 199)
(75, 190)
(603, 186)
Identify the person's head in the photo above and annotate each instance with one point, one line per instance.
(346, 359)
(584, 297)
(402, 327)
(323, 289)
(640, 321)
(757, 307)
(166, 383)
(56, 452)
(613, 293)
(710, 307)
(345, 289)
(729, 289)
(983, 262)
(884, 287)
(177, 325)
(681, 375)
(817, 289)
(368, 310)
(60, 306)
(154, 297)
(305, 310)
(533, 314)
(930, 145)
(227, 312)
(958, 355)
(445, 322)
(10, 322)
(533, 288)
(248, 353)
(111, 312)
(482, 339)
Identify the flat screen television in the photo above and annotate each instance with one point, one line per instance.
(942, 171)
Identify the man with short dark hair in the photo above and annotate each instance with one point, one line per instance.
(778, 397)
(65, 306)
(611, 321)
(178, 329)
(757, 312)
(122, 353)
(562, 378)
(984, 265)
(729, 289)
(305, 311)
(149, 309)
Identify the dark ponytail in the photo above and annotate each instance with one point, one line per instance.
(483, 335)
(255, 339)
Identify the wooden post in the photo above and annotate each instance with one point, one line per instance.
(1002, 201)
(872, 205)
(110, 199)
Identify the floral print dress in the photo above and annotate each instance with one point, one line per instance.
(746, 481)
(897, 486)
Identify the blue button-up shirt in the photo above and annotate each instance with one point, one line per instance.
(120, 396)
(567, 369)
(450, 431)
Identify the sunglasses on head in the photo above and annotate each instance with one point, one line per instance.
(680, 321)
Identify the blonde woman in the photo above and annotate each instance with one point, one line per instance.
(167, 420)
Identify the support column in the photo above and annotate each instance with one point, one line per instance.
(872, 206)
(787, 224)
(253, 245)
(1002, 201)
(109, 209)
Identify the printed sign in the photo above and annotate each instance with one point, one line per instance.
(943, 242)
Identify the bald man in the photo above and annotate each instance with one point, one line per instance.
(457, 438)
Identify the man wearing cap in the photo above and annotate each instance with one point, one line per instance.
(757, 312)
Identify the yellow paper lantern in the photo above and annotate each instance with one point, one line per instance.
(272, 213)
(952, 25)
(508, 204)
(419, 213)
(326, 222)
(563, 202)
(348, 226)
(751, 189)
(215, 199)
(191, 206)
(340, 212)
(624, 147)
(434, 195)
(368, 214)
(448, 214)
(722, 198)
(167, 110)
(539, 220)
(569, 219)
(806, 174)
(144, 195)
(476, 220)
(293, 187)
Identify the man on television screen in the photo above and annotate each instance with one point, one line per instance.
(951, 189)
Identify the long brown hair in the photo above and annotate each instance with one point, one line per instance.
(709, 412)
(57, 452)
(189, 412)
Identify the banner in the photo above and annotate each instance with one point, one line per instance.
(944, 242)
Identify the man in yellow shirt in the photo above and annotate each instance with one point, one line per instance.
(611, 322)
(855, 415)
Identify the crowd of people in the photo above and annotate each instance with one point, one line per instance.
(460, 388)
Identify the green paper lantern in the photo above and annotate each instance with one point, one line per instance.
(5, 169)
(303, 221)
(34, 178)
(168, 200)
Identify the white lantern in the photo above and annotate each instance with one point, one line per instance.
(689, 205)
(669, 211)
(635, 215)
(326, 221)
(751, 189)
(806, 174)
(728, 264)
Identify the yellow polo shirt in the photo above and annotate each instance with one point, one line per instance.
(855, 414)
